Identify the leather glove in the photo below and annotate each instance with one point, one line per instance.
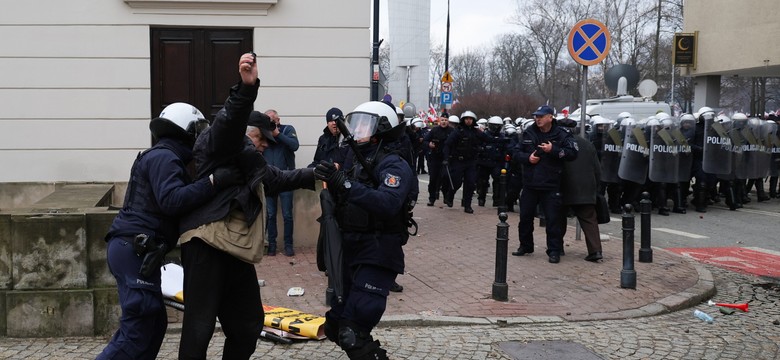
(224, 177)
(327, 172)
(445, 163)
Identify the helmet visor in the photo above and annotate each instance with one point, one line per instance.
(197, 127)
(361, 125)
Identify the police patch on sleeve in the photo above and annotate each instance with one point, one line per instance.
(392, 181)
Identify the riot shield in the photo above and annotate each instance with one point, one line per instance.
(684, 149)
(738, 145)
(717, 146)
(771, 130)
(664, 153)
(611, 150)
(634, 158)
(752, 150)
(765, 149)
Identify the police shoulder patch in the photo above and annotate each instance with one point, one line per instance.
(392, 181)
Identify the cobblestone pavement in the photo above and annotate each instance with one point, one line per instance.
(677, 335)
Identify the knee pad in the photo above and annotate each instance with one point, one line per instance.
(351, 338)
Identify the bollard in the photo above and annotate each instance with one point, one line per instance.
(645, 209)
(628, 275)
(501, 192)
(500, 288)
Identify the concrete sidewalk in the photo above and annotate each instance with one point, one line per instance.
(450, 269)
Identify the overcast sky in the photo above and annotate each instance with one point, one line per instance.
(473, 24)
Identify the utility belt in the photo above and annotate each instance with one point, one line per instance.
(152, 250)
(352, 218)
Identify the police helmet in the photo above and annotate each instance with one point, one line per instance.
(739, 116)
(706, 113)
(507, 120)
(399, 113)
(495, 120)
(667, 123)
(454, 119)
(374, 119)
(418, 123)
(627, 122)
(662, 115)
(482, 122)
(179, 120)
(527, 123)
(519, 121)
(468, 114)
(688, 117)
(599, 120)
(653, 121)
(722, 118)
(510, 129)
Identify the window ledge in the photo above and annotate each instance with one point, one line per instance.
(202, 7)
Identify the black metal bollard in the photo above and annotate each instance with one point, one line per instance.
(502, 192)
(500, 288)
(645, 209)
(628, 274)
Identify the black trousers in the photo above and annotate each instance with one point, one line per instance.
(218, 285)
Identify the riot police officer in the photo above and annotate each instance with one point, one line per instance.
(461, 149)
(434, 142)
(372, 195)
(159, 191)
(490, 161)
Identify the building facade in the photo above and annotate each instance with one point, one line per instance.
(410, 33)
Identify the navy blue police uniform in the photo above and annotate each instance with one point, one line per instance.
(490, 161)
(437, 181)
(541, 185)
(159, 191)
(461, 148)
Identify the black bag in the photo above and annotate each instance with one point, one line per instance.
(602, 209)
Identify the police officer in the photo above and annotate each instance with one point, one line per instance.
(490, 161)
(461, 149)
(159, 191)
(703, 180)
(328, 143)
(372, 209)
(434, 141)
(542, 152)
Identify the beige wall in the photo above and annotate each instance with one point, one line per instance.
(74, 79)
(735, 36)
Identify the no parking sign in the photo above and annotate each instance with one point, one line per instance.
(589, 42)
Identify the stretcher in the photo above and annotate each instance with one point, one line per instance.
(280, 324)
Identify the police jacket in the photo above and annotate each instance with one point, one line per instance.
(437, 136)
(491, 154)
(222, 144)
(546, 174)
(327, 148)
(463, 143)
(582, 176)
(371, 212)
(159, 192)
(282, 154)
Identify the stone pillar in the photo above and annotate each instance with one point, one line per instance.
(706, 92)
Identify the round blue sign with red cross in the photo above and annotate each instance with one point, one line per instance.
(589, 42)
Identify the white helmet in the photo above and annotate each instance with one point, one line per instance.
(706, 113)
(470, 114)
(623, 115)
(629, 121)
(739, 116)
(179, 120)
(373, 118)
(507, 120)
(688, 117)
(510, 129)
(519, 121)
(418, 123)
(527, 123)
(482, 122)
(662, 115)
(598, 120)
(454, 119)
(495, 120)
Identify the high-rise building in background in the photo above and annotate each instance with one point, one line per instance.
(409, 37)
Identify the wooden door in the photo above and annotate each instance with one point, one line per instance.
(196, 66)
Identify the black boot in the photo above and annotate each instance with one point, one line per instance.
(760, 192)
(731, 197)
(677, 200)
(700, 198)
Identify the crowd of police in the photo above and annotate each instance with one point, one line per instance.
(704, 156)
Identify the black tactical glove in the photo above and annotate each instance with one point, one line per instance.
(226, 176)
(327, 172)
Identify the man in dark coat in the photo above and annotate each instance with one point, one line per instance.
(579, 187)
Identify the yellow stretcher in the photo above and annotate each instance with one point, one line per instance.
(281, 324)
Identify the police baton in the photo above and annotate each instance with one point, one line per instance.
(449, 176)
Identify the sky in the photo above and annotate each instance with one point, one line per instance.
(473, 24)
